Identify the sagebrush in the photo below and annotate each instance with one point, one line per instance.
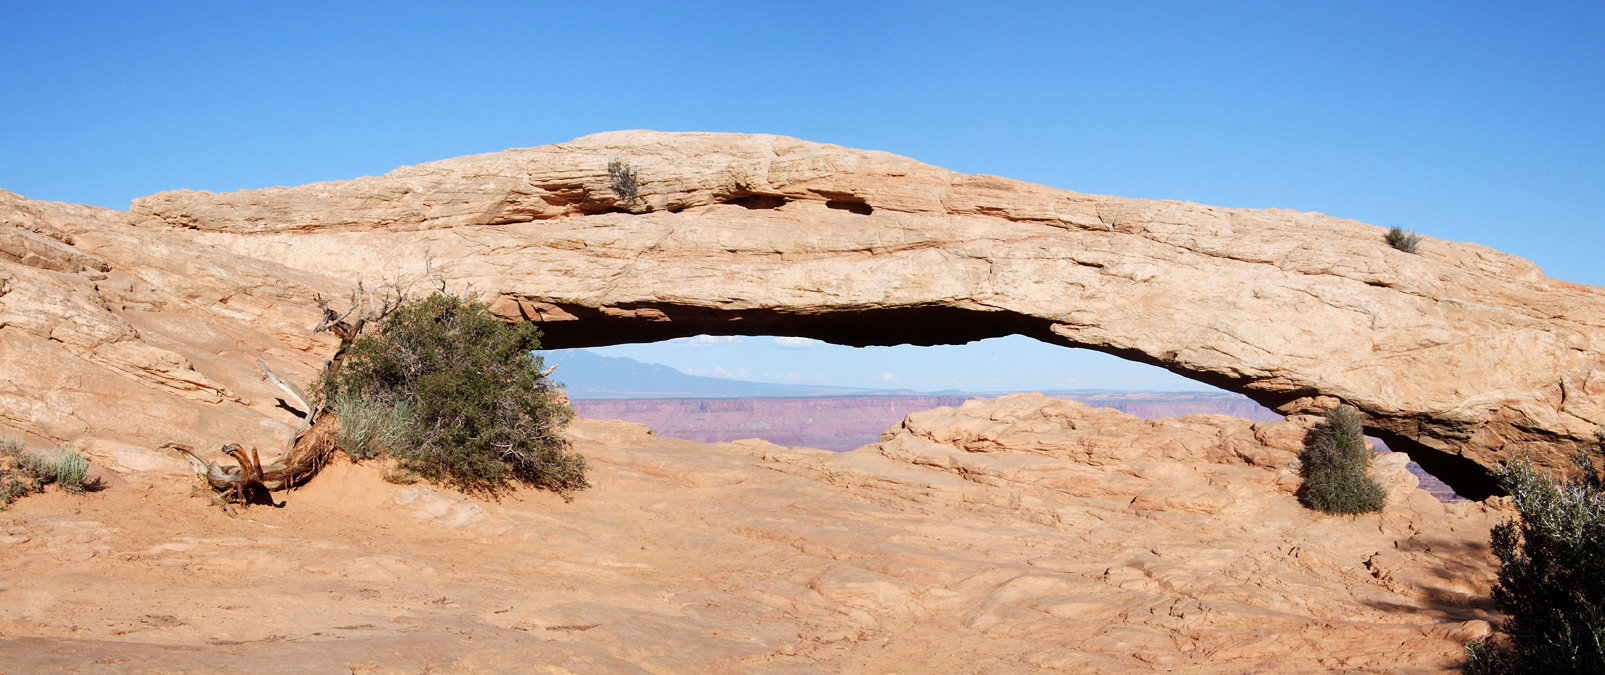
(62, 466)
(1334, 463)
(23, 473)
(1404, 240)
(369, 428)
(455, 395)
(1551, 574)
(14, 482)
(624, 180)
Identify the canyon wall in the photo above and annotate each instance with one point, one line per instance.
(843, 423)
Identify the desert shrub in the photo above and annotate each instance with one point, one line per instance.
(1551, 575)
(62, 466)
(15, 481)
(472, 407)
(1403, 240)
(368, 427)
(23, 473)
(13, 488)
(1334, 462)
(624, 181)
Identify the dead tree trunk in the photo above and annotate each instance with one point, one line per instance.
(313, 443)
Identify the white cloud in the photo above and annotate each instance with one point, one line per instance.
(718, 371)
(797, 343)
(703, 341)
(888, 378)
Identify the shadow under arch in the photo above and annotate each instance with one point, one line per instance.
(570, 326)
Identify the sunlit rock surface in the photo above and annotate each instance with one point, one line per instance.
(1020, 535)
(121, 329)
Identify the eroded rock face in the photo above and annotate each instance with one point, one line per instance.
(1456, 355)
(122, 336)
(1019, 535)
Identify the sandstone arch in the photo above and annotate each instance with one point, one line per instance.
(1456, 355)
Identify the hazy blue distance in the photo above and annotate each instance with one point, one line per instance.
(587, 375)
(1012, 363)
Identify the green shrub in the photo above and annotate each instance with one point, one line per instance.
(13, 487)
(469, 399)
(1334, 462)
(62, 466)
(15, 482)
(1404, 240)
(1551, 575)
(23, 473)
(369, 428)
(624, 180)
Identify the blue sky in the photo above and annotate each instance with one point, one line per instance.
(999, 364)
(1466, 121)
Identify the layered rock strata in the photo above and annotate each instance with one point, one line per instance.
(847, 422)
(1456, 355)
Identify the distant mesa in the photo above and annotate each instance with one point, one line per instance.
(587, 375)
(716, 410)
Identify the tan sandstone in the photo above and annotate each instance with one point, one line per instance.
(119, 330)
(1020, 535)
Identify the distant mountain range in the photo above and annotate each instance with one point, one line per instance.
(587, 375)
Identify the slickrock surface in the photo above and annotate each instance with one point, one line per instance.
(1013, 536)
(120, 329)
(116, 336)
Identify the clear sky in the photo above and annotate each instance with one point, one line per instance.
(1469, 121)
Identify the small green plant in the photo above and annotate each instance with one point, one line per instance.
(1551, 574)
(624, 180)
(1334, 462)
(62, 466)
(15, 488)
(1404, 240)
(369, 428)
(23, 473)
(12, 488)
(15, 483)
(454, 394)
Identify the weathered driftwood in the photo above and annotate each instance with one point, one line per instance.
(251, 481)
(313, 442)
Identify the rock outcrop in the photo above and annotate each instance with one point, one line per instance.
(123, 327)
(1019, 535)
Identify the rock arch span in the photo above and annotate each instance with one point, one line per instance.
(1456, 355)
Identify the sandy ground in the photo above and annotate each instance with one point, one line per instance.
(689, 558)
